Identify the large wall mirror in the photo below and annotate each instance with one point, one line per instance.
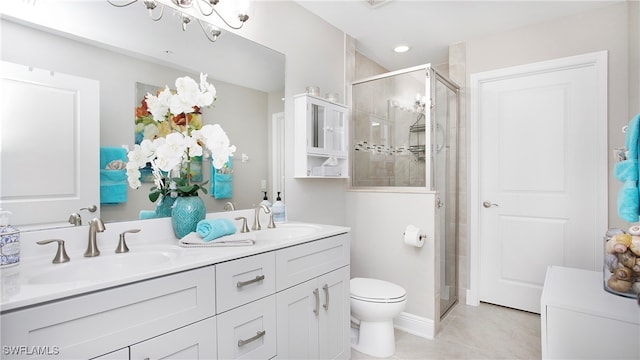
(122, 48)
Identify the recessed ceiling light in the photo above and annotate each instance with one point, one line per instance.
(401, 48)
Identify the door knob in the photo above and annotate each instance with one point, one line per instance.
(487, 204)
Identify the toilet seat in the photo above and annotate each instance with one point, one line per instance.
(377, 291)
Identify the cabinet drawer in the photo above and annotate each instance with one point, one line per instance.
(97, 323)
(244, 280)
(300, 263)
(249, 331)
(196, 341)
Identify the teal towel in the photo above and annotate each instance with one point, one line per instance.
(627, 171)
(113, 183)
(222, 186)
(210, 229)
(222, 181)
(110, 153)
(147, 214)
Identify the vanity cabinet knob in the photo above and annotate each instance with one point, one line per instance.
(122, 244)
(61, 254)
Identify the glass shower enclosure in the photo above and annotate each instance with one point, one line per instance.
(405, 135)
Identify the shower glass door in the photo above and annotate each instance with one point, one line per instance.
(444, 150)
(388, 136)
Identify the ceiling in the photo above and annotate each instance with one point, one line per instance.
(429, 26)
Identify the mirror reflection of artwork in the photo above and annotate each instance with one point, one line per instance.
(148, 128)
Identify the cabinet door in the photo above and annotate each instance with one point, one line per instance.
(335, 315)
(196, 341)
(297, 321)
(325, 128)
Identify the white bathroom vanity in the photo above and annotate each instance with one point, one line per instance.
(285, 297)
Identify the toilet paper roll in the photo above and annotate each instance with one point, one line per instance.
(412, 236)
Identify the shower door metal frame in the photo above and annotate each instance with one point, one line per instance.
(436, 76)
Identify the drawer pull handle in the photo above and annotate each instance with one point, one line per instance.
(257, 336)
(326, 297)
(316, 293)
(249, 282)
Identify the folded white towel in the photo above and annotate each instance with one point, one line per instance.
(193, 240)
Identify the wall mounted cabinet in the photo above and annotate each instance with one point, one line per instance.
(321, 137)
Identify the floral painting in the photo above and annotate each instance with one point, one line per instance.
(148, 128)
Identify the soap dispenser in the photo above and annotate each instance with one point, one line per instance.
(265, 200)
(9, 241)
(279, 210)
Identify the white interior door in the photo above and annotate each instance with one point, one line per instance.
(541, 174)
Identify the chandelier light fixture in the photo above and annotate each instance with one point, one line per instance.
(205, 7)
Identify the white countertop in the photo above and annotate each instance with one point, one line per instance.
(583, 291)
(18, 289)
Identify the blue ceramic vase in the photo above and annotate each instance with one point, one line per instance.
(186, 213)
(163, 206)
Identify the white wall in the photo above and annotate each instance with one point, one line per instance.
(378, 221)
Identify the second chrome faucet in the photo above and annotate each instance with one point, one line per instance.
(256, 219)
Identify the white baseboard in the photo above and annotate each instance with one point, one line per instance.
(415, 325)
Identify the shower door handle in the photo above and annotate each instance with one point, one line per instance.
(487, 204)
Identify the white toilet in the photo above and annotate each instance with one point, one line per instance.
(374, 303)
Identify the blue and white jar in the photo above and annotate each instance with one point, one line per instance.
(9, 242)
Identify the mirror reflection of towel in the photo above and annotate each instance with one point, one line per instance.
(113, 178)
(222, 181)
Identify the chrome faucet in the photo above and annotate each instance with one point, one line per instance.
(95, 226)
(256, 219)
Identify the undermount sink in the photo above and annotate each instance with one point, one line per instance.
(287, 231)
(103, 267)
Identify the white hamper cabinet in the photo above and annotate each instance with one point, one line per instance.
(580, 320)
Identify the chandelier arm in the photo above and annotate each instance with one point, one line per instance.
(225, 21)
(159, 17)
(200, 7)
(206, 33)
(122, 5)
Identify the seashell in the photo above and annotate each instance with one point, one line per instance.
(618, 285)
(636, 287)
(612, 232)
(634, 230)
(608, 246)
(623, 273)
(621, 242)
(116, 165)
(611, 261)
(635, 245)
(627, 259)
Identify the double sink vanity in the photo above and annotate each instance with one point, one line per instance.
(286, 296)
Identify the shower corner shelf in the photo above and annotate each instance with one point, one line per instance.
(418, 150)
(321, 130)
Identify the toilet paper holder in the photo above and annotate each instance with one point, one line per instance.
(413, 236)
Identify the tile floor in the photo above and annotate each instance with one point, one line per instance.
(469, 332)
